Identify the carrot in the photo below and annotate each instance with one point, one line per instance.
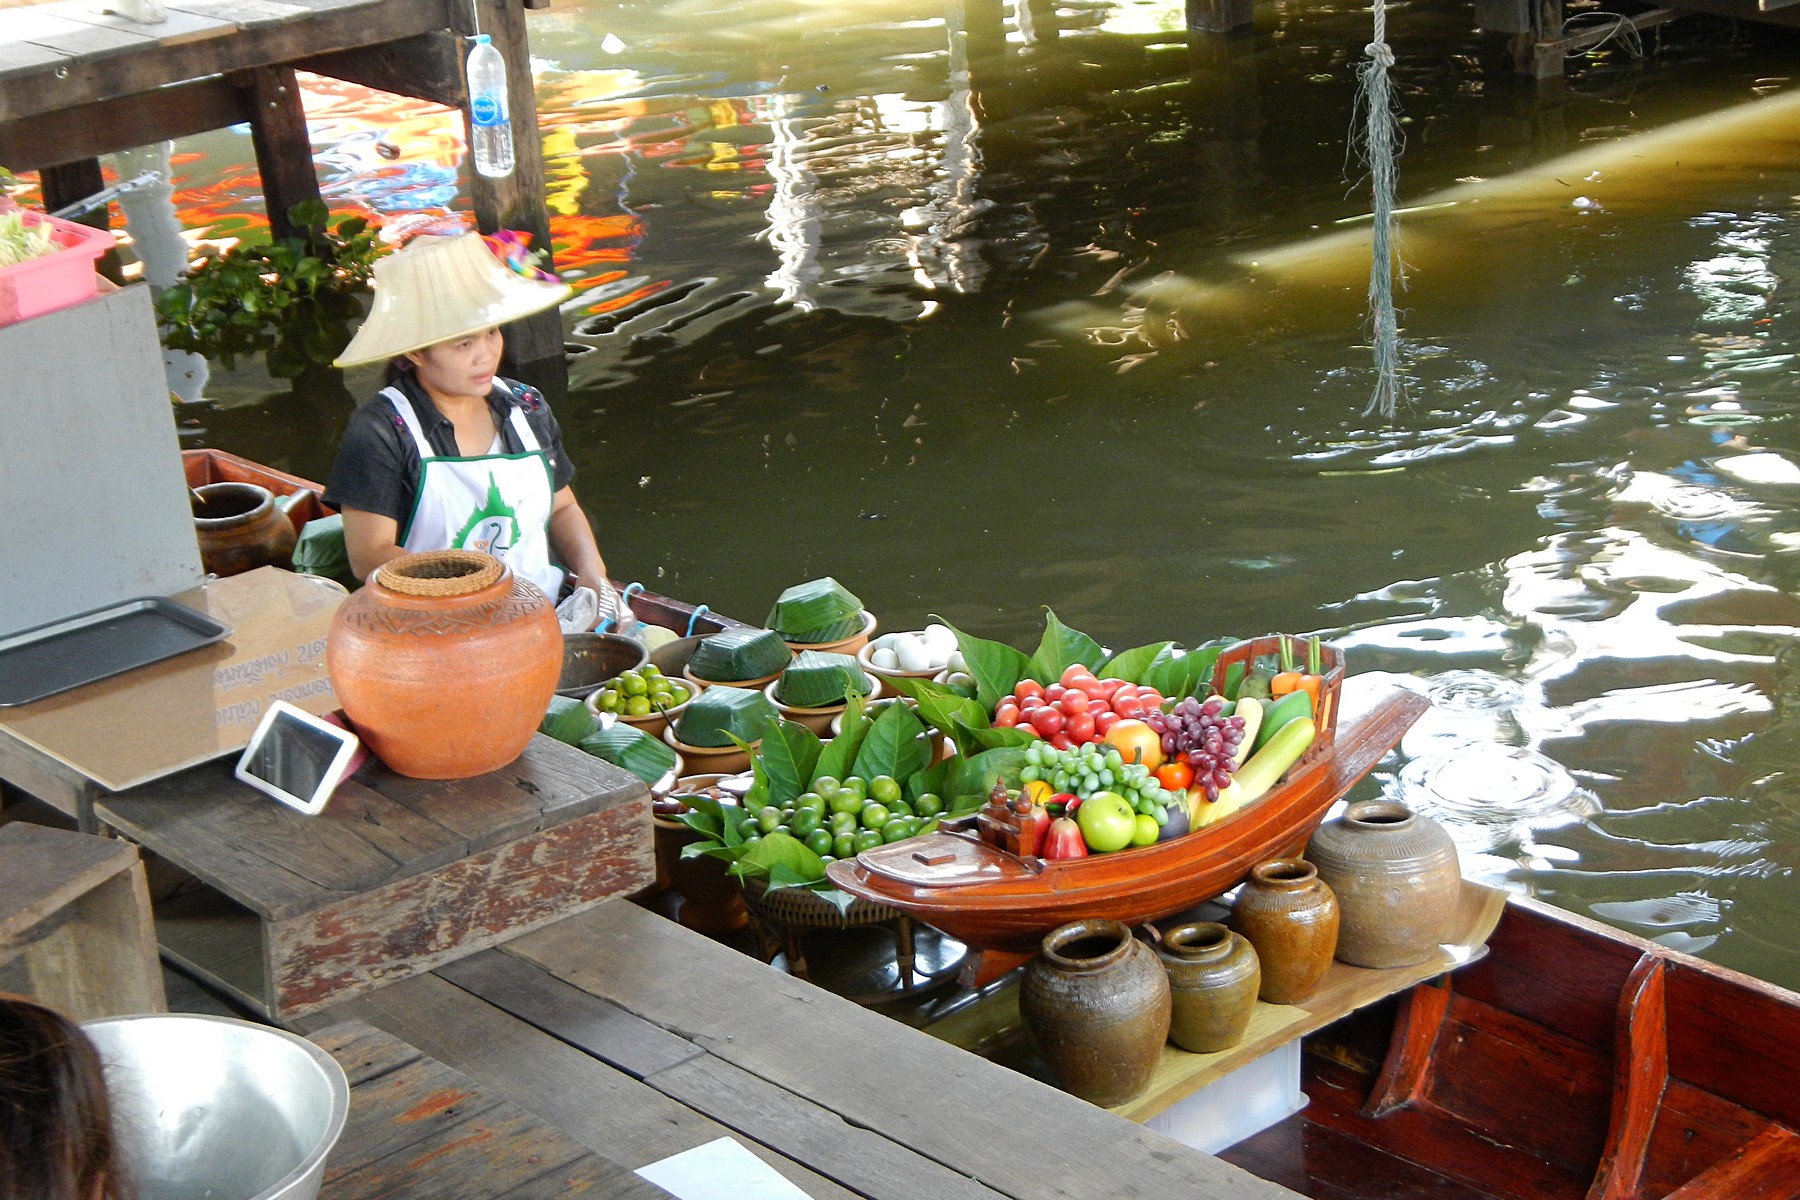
(1292, 680)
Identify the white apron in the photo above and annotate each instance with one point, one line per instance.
(498, 504)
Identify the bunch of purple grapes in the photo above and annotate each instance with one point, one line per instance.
(1195, 731)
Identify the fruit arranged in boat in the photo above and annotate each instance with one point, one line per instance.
(640, 692)
(1076, 708)
(1204, 736)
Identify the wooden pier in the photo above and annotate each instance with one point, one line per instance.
(78, 80)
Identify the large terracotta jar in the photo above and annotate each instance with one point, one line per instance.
(1291, 917)
(444, 663)
(239, 527)
(1396, 877)
(1213, 981)
(1096, 1007)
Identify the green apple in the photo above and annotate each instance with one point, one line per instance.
(1107, 820)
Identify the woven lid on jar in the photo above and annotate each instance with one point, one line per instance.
(439, 573)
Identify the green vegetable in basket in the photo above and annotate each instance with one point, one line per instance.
(634, 750)
(820, 610)
(567, 720)
(20, 242)
(737, 654)
(818, 679)
(719, 714)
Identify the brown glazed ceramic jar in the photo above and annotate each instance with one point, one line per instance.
(1096, 1007)
(239, 528)
(1396, 876)
(1213, 981)
(1291, 917)
(445, 663)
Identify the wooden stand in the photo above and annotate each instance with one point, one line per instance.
(289, 913)
(75, 924)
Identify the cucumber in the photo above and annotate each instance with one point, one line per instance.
(1260, 773)
(1279, 713)
(1251, 709)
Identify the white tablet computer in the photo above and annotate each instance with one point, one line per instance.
(296, 757)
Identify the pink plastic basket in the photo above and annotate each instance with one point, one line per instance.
(57, 279)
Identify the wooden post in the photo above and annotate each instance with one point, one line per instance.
(284, 156)
(534, 346)
(65, 184)
(1219, 16)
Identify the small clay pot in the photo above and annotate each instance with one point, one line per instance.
(1396, 877)
(1213, 980)
(1289, 914)
(711, 760)
(850, 645)
(239, 528)
(698, 684)
(651, 723)
(1095, 1002)
(712, 902)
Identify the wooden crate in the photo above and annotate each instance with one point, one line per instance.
(289, 913)
(75, 923)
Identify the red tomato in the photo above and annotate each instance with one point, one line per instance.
(1112, 687)
(1175, 776)
(1030, 704)
(1104, 721)
(1061, 741)
(1006, 715)
(1097, 706)
(1073, 699)
(1132, 707)
(1028, 687)
(1047, 721)
(1071, 673)
(1080, 727)
(1122, 691)
(1054, 692)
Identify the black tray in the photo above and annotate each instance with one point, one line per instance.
(96, 645)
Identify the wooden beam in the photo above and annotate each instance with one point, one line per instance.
(90, 130)
(1640, 1073)
(428, 66)
(534, 346)
(1763, 1169)
(1407, 1068)
(284, 157)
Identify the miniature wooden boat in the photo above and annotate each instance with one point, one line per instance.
(219, 466)
(995, 901)
(1572, 1062)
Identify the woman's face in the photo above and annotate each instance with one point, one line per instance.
(463, 366)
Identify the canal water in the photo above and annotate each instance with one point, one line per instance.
(981, 310)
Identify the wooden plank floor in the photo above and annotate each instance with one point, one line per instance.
(640, 1039)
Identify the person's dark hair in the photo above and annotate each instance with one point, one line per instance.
(56, 1136)
(398, 368)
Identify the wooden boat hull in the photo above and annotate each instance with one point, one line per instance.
(991, 900)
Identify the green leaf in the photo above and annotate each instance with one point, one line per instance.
(836, 897)
(1060, 649)
(894, 746)
(978, 774)
(783, 849)
(1131, 664)
(972, 739)
(708, 850)
(839, 754)
(705, 816)
(1176, 673)
(995, 666)
(789, 755)
(931, 779)
(940, 706)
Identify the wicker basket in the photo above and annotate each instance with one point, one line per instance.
(804, 908)
(1331, 661)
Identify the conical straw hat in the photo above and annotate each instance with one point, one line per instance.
(434, 289)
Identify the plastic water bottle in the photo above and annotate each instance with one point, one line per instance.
(490, 134)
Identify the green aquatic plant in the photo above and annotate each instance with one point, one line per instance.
(293, 299)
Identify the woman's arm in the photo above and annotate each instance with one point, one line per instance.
(370, 539)
(572, 537)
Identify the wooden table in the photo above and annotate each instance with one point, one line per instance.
(419, 1129)
(397, 875)
(641, 1039)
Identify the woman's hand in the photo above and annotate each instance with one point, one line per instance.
(370, 540)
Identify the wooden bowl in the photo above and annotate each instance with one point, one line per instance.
(849, 645)
(711, 760)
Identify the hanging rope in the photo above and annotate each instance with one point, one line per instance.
(1380, 143)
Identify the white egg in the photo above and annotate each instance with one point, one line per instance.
(959, 679)
(955, 661)
(912, 653)
(939, 635)
(884, 658)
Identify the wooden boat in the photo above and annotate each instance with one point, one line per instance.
(1571, 1062)
(1003, 904)
(219, 466)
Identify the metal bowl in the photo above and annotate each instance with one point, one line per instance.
(590, 659)
(221, 1108)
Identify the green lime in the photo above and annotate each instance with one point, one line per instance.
(826, 784)
(843, 823)
(874, 815)
(769, 818)
(650, 671)
(843, 800)
(884, 789)
(819, 841)
(679, 694)
(928, 805)
(899, 829)
(805, 821)
(868, 839)
(844, 845)
(637, 706)
(900, 808)
(811, 800)
(748, 826)
(633, 685)
(858, 786)
(609, 702)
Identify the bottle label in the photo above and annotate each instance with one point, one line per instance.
(484, 109)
